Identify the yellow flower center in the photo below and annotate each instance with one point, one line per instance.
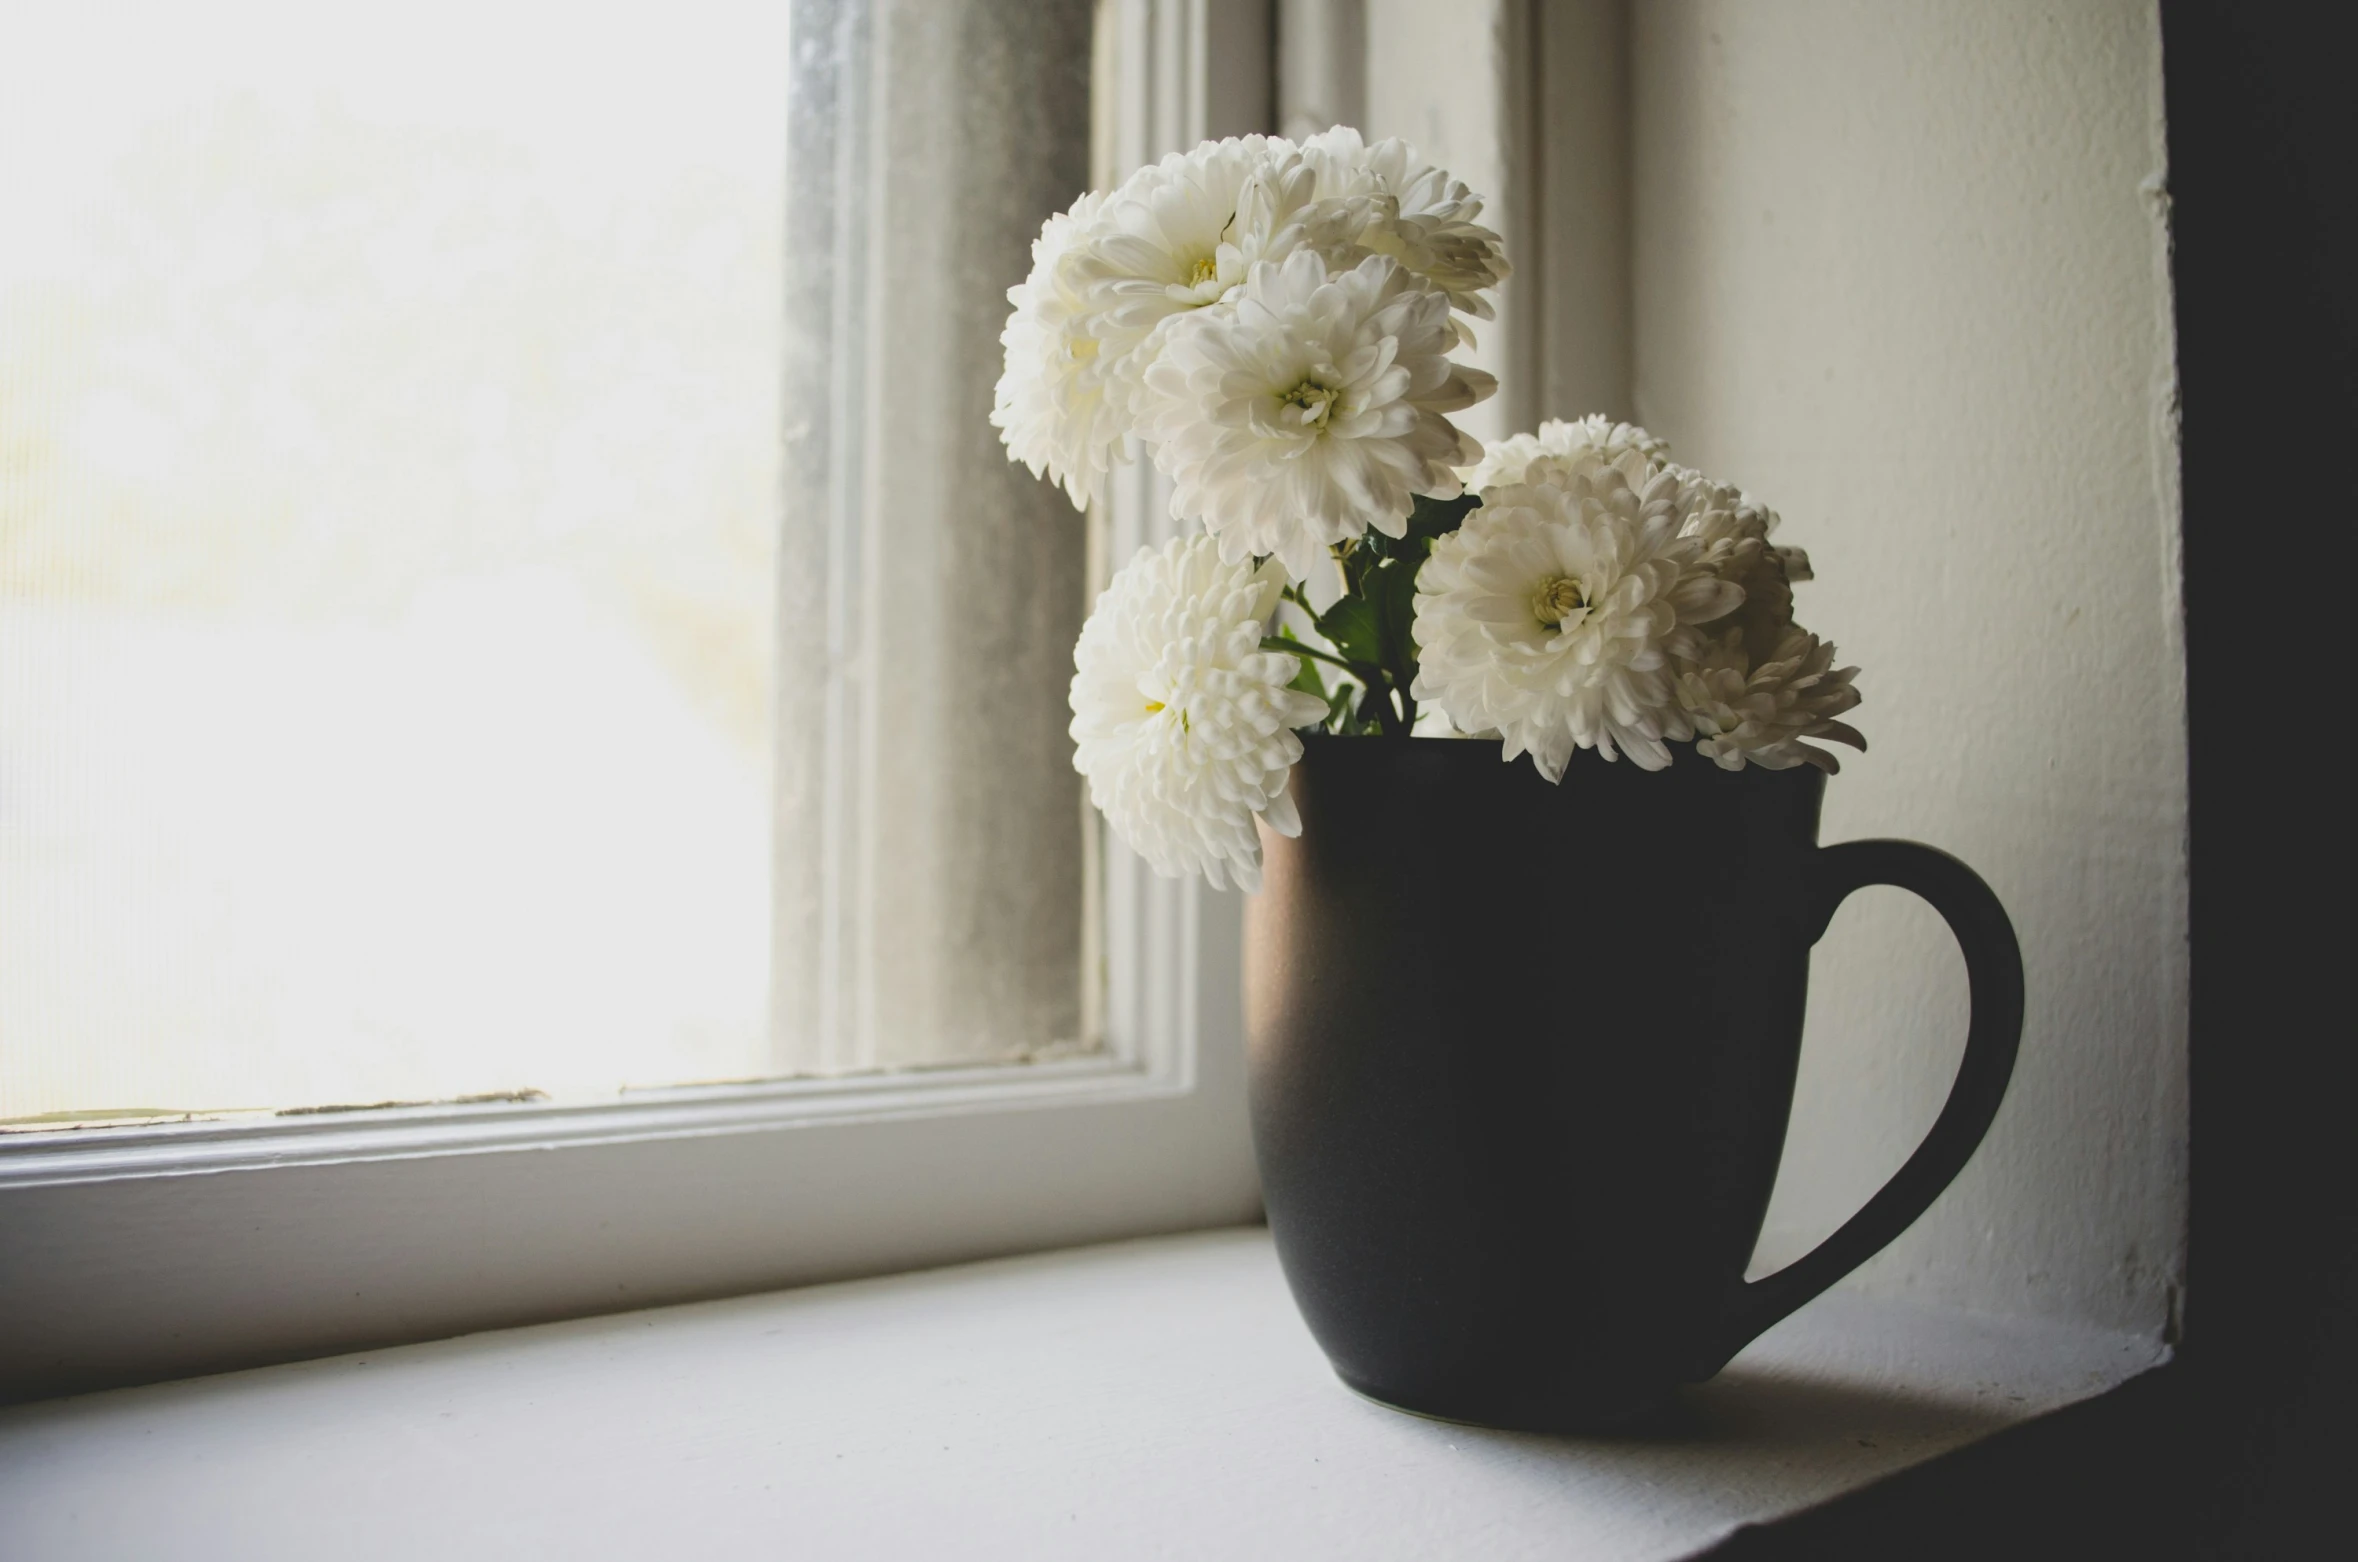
(1316, 401)
(1557, 600)
(1206, 270)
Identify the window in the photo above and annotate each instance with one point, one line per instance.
(391, 524)
(645, 676)
(1756, 234)
(421, 567)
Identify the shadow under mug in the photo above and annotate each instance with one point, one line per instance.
(1522, 1055)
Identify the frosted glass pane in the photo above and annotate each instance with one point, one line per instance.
(389, 502)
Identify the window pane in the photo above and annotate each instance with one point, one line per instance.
(391, 483)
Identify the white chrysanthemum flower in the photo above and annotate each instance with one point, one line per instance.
(1182, 723)
(1111, 278)
(1509, 460)
(1313, 410)
(1555, 616)
(1055, 407)
(1734, 529)
(1182, 235)
(1388, 201)
(1762, 713)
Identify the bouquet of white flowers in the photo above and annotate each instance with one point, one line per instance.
(1273, 322)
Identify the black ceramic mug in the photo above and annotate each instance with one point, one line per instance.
(1522, 1057)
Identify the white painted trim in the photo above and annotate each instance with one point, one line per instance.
(132, 1278)
(404, 1133)
(1528, 102)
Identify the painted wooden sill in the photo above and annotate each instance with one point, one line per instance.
(1152, 1398)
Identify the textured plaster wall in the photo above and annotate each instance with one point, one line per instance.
(1902, 271)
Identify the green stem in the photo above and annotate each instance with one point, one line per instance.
(1369, 676)
(1297, 648)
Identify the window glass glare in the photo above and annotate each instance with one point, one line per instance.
(389, 491)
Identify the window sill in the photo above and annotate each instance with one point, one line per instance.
(1159, 1395)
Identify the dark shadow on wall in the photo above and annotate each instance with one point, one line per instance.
(2243, 1447)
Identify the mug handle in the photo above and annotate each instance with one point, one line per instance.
(1993, 975)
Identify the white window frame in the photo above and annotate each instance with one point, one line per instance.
(139, 1253)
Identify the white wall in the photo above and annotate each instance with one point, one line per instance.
(1902, 271)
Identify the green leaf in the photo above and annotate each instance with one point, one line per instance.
(1373, 624)
(1433, 518)
(1391, 598)
(1353, 629)
(1356, 558)
(1427, 519)
(1307, 680)
(1338, 701)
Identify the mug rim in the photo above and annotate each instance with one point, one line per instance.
(1687, 768)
